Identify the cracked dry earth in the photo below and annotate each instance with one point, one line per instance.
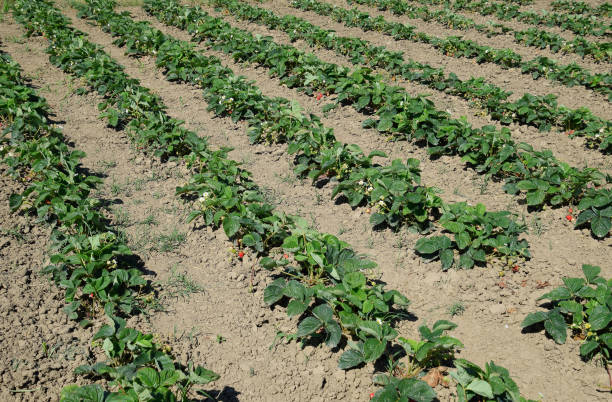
(211, 307)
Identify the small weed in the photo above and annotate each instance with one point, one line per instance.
(49, 352)
(7, 5)
(220, 338)
(122, 217)
(179, 284)
(288, 178)
(537, 227)
(166, 243)
(115, 188)
(482, 184)
(456, 308)
(150, 220)
(456, 191)
(106, 165)
(13, 232)
(15, 39)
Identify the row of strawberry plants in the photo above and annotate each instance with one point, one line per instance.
(90, 261)
(544, 179)
(534, 37)
(580, 7)
(578, 24)
(394, 191)
(577, 122)
(326, 280)
(455, 46)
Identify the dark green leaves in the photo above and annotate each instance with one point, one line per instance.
(583, 305)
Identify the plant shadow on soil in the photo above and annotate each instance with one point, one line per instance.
(227, 394)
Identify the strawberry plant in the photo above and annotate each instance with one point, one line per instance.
(477, 234)
(542, 112)
(529, 37)
(584, 306)
(596, 212)
(578, 24)
(433, 350)
(329, 272)
(137, 366)
(491, 384)
(413, 118)
(317, 153)
(88, 259)
(453, 46)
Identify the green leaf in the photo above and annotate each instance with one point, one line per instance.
(373, 349)
(536, 197)
(585, 216)
(556, 327)
(363, 101)
(385, 124)
(416, 390)
(599, 318)
(377, 219)
(334, 334)
(481, 388)
(354, 280)
(231, 225)
(526, 185)
(454, 227)
(148, 377)
(466, 261)
(430, 245)
(201, 375)
(447, 258)
(15, 201)
(169, 377)
(323, 312)
(291, 244)
(296, 307)
(87, 393)
(273, 293)
(349, 359)
(308, 326)
(590, 272)
(587, 348)
(573, 284)
(600, 226)
(560, 293)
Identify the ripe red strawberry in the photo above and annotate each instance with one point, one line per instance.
(571, 210)
(240, 254)
(515, 268)
(319, 96)
(371, 395)
(285, 256)
(569, 217)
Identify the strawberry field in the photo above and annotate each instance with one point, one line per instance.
(306, 200)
